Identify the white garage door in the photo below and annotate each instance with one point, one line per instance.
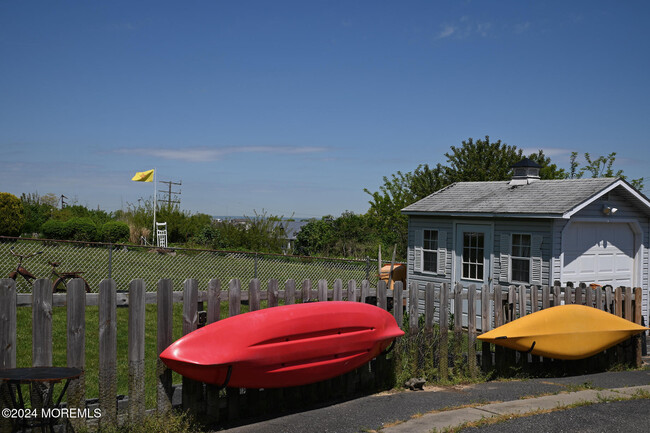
(599, 252)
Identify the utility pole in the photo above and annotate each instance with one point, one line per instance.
(172, 197)
(63, 202)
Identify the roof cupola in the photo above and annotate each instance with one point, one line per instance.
(525, 172)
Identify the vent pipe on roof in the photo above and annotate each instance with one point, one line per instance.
(525, 172)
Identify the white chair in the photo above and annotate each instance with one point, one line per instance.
(161, 234)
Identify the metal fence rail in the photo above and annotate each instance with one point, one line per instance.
(123, 263)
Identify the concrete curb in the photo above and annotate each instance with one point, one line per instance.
(456, 417)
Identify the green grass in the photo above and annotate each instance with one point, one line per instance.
(59, 349)
(131, 262)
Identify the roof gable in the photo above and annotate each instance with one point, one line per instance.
(544, 198)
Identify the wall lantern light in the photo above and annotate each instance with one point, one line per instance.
(609, 210)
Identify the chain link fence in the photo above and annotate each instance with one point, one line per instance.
(123, 263)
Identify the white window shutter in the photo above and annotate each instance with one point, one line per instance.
(442, 252)
(505, 257)
(417, 259)
(536, 260)
(417, 251)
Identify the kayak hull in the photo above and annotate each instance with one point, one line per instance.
(284, 346)
(564, 332)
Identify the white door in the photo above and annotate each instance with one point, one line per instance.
(472, 260)
(600, 253)
(473, 251)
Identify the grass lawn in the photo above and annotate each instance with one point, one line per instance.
(24, 345)
(128, 263)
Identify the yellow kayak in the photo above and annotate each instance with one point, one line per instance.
(564, 332)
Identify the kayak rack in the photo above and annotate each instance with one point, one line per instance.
(389, 349)
(225, 382)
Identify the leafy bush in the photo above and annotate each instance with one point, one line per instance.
(115, 231)
(207, 236)
(12, 215)
(82, 229)
(38, 209)
(55, 229)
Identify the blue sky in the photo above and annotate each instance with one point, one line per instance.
(295, 107)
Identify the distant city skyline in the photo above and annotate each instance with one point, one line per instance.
(295, 107)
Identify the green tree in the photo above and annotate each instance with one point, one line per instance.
(385, 209)
(354, 236)
(37, 211)
(316, 237)
(426, 180)
(12, 215)
(474, 160)
(601, 166)
(482, 160)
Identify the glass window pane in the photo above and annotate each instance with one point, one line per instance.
(521, 270)
(521, 245)
(430, 240)
(430, 261)
(473, 255)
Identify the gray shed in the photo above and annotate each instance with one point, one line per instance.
(532, 232)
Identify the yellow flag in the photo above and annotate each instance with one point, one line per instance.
(143, 176)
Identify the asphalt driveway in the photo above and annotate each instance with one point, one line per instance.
(379, 411)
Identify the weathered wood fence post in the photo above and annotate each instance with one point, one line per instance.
(486, 354)
(164, 339)
(42, 323)
(413, 308)
(8, 328)
(8, 325)
(108, 353)
(192, 390)
(76, 346)
(136, 350)
(471, 330)
(290, 292)
(443, 361)
(212, 392)
(234, 308)
(398, 289)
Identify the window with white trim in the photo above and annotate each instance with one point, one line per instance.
(473, 256)
(520, 257)
(430, 251)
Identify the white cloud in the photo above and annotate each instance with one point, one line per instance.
(548, 151)
(483, 29)
(522, 27)
(205, 154)
(447, 31)
(464, 28)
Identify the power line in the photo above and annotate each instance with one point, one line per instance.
(172, 197)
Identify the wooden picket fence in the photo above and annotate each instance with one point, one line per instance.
(213, 405)
(482, 308)
(473, 308)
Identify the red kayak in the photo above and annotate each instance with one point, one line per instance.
(284, 346)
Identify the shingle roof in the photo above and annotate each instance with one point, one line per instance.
(543, 197)
(291, 228)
